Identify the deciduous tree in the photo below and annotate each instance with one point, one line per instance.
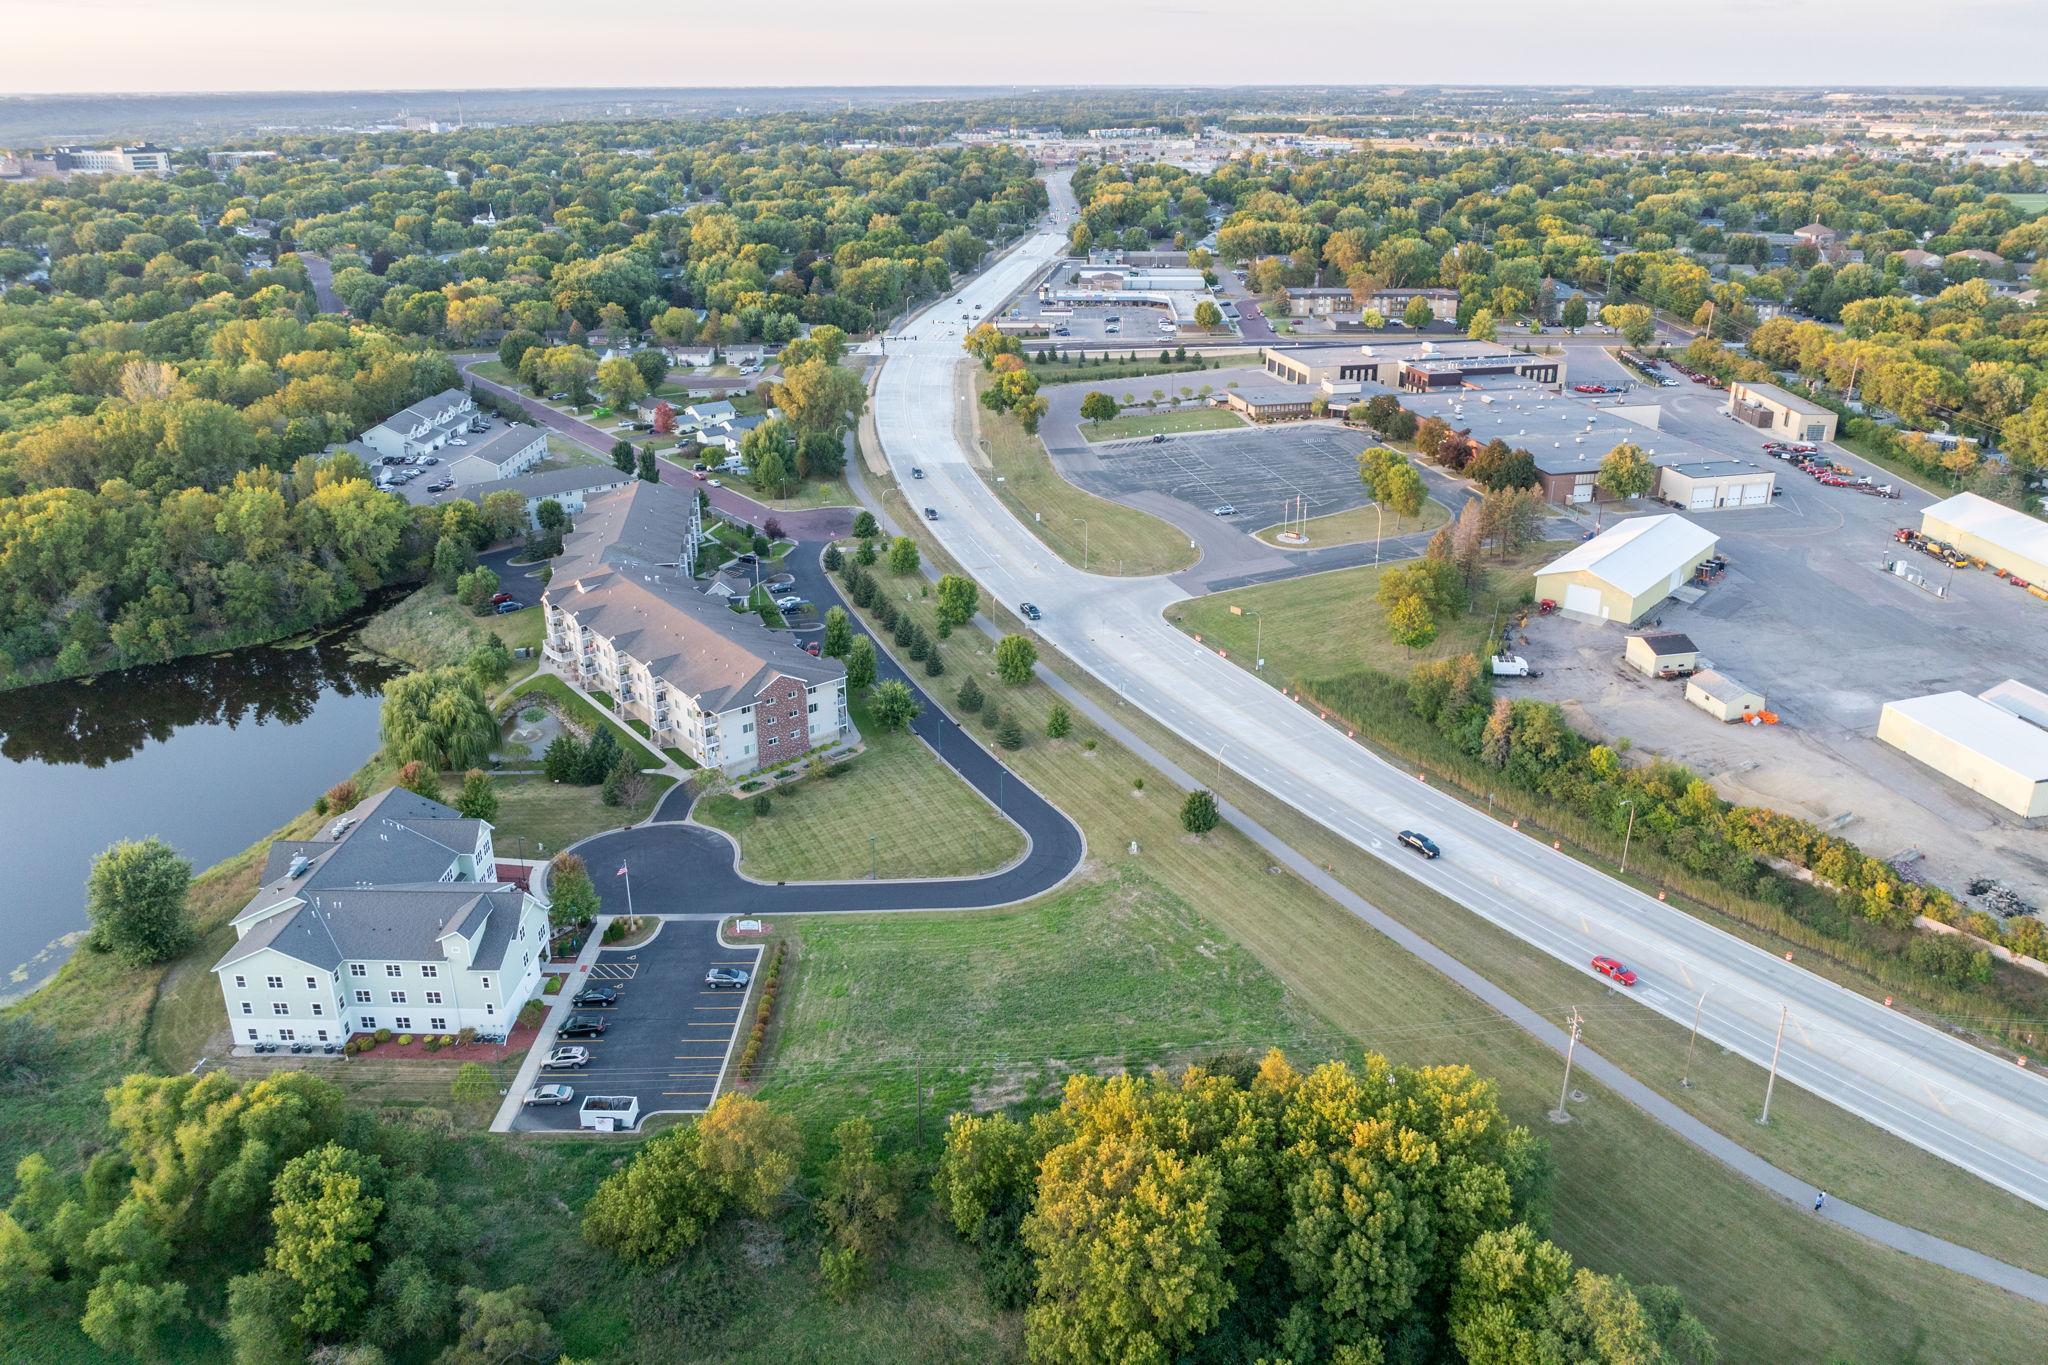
(1016, 657)
(135, 898)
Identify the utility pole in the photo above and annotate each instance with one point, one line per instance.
(1765, 1117)
(1628, 835)
(1561, 1114)
(1685, 1079)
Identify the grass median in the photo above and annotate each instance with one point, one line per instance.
(1128, 425)
(1355, 525)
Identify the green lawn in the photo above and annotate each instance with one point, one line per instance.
(554, 815)
(924, 819)
(1138, 423)
(1096, 372)
(430, 629)
(583, 713)
(1357, 524)
(1329, 623)
(2032, 204)
(1117, 539)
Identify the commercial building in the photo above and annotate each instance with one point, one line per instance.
(1625, 571)
(1418, 366)
(424, 427)
(1271, 402)
(1723, 697)
(625, 618)
(2030, 704)
(64, 162)
(394, 917)
(504, 454)
(1703, 485)
(1785, 415)
(1657, 653)
(1986, 748)
(1992, 532)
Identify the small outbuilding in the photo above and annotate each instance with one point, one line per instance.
(1626, 570)
(1989, 750)
(1781, 413)
(1656, 654)
(1721, 696)
(1992, 532)
(1703, 485)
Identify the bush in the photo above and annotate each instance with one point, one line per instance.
(1198, 813)
(405, 1040)
(383, 1035)
(762, 805)
(970, 698)
(1058, 724)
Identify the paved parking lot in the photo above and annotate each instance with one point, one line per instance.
(1258, 470)
(670, 1034)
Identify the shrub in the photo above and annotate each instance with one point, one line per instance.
(970, 699)
(762, 804)
(1058, 723)
(405, 1040)
(383, 1035)
(1198, 813)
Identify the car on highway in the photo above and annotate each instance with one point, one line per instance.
(568, 1057)
(599, 997)
(553, 1093)
(728, 978)
(931, 514)
(1158, 438)
(716, 483)
(1421, 843)
(916, 473)
(1613, 970)
(583, 1026)
(1029, 611)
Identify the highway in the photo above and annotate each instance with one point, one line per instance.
(1984, 1114)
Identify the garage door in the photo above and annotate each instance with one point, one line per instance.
(1703, 495)
(1816, 431)
(1579, 598)
(1756, 494)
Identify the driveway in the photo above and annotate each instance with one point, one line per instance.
(670, 1034)
(518, 579)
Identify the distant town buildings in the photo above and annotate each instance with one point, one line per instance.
(61, 163)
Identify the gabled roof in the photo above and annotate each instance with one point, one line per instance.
(1666, 642)
(1720, 686)
(1995, 522)
(426, 410)
(501, 445)
(1637, 554)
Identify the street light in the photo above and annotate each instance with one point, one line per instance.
(1628, 835)
(1084, 542)
(1379, 522)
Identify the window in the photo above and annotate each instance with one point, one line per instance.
(398, 997)
(358, 969)
(286, 1034)
(241, 983)
(317, 1010)
(252, 1035)
(275, 983)
(248, 1008)
(362, 997)
(402, 1021)
(312, 984)
(790, 716)
(280, 1008)
(490, 1010)
(433, 997)
(814, 708)
(430, 970)
(323, 1035)
(366, 1023)
(438, 1024)
(393, 969)
(487, 983)
(773, 741)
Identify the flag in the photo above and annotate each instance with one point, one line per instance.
(621, 872)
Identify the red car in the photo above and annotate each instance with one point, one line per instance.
(502, 598)
(1608, 967)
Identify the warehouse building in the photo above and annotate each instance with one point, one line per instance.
(1445, 364)
(1992, 532)
(1271, 402)
(1783, 414)
(1625, 571)
(2030, 704)
(1722, 697)
(1703, 485)
(1986, 748)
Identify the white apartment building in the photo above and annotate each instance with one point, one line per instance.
(393, 918)
(424, 427)
(623, 617)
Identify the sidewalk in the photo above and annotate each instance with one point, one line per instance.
(515, 1096)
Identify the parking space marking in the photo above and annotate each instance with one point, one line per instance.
(614, 971)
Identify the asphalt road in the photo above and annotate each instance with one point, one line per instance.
(1943, 1095)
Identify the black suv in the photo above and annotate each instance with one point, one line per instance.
(596, 997)
(583, 1026)
(1421, 843)
(1030, 611)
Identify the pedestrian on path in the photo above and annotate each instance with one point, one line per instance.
(1820, 1197)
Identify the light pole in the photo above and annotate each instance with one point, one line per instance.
(1628, 835)
(1084, 542)
(1379, 522)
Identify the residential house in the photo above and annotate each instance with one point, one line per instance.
(424, 427)
(393, 917)
(1818, 235)
(506, 453)
(1913, 258)
(625, 618)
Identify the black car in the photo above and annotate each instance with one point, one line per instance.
(916, 473)
(931, 514)
(1029, 610)
(596, 997)
(583, 1026)
(1421, 843)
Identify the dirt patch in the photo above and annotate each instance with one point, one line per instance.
(1010, 1084)
(762, 1245)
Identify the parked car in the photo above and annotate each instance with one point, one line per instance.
(1613, 970)
(441, 487)
(496, 598)
(583, 1026)
(728, 978)
(1158, 438)
(791, 603)
(1421, 843)
(812, 648)
(931, 514)
(1226, 510)
(746, 557)
(596, 997)
(568, 1057)
(1029, 611)
(550, 1094)
(506, 608)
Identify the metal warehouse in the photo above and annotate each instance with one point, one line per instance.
(1626, 570)
(1992, 532)
(1989, 750)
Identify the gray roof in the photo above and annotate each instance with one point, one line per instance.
(548, 483)
(426, 410)
(372, 888)
(1713, 469)
(1667, 642)
(620, 575)
(501, 445)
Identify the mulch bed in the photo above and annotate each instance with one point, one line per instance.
(520, 1040)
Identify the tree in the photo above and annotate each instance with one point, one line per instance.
(1098, 407)
(864, 527)
(903, 556)
(473, 1086)
(1511, 516)
(1411, 622)
(749, 1151)
(261, 1325)
(958, 599)
(551, 517)
(135, 897)
(858, 1199)
(1016, 657)
(1517, 1298)
(440, 718)
(499, 1327)
(130, 1317)
(622, 456)
(893, 705)
(572, 896)
(419, 779)
(970, 699)
(1009, 733)
(1208, 316)
(1198, 814)
(1403, 489)
(325, 1209)
(1636, 323)
(1483, 327)
(820, 397)
(490, 661)
(619, 380)
(838, 633)
(860, 664)
(1626, 472)
(477, 800)
(1058, 723)
(650, 468)
(476, 588)
(1418, 314)
(660, 1204)
(452, 559)
(1575, 312)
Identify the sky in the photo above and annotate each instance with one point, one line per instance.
(217, 45)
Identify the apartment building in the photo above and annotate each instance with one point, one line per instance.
(424, 427)
(393, 918)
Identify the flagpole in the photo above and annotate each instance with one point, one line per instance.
(628, 870)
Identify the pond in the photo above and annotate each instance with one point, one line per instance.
(208, 753)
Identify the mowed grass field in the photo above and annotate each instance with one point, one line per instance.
(1769, 1279)
(1356, 524)
(1117, 539)
(1127, 425)
(924, 819)
(536, 816)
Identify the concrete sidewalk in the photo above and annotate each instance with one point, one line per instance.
(544, 1041)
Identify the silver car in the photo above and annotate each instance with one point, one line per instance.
(568, 1057)
(550, 1094)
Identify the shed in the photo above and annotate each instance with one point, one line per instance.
(1626, 570)
(1656, 652)
(1721, 696)
(1785, 415)
(1987, 749)
(1992, 532)
(1702, 485)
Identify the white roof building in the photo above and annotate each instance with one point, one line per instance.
(1620, 574)
(1991, 531)
(1981, 745)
